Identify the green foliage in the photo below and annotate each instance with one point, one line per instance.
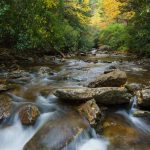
(138, 26)
(116, 36)
(45, 24)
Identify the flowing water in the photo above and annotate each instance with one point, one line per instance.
(59, 127)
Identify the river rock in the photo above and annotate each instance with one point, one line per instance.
(112, 95)
(45, 71)
(144, 98)
(133, 87)
(5, 107)
(3, 87)
(115, 78)
(141, 113)
(110, 69)
(76, 95)
(18, 74)
(28, 114)
(104, 95)
(90, 110)
(58, 133)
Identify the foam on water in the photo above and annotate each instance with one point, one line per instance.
(94, 144)
(16, 136)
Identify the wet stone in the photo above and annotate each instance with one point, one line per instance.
(103, 95)
(28, 114)
(90, 110)
(120, 134)
(110, 69)
(141, 113)
(5, 107)
(45, 72)
(133, 87)
(57, 134)
(115, 78)
(144, 98)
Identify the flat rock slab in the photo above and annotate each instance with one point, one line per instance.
(75, 94)
(104, 95)
(115, 78)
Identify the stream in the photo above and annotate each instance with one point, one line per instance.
(56, 127)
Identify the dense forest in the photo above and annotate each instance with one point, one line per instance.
(75, 25)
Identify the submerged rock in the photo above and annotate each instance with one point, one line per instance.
(28, 114)
(5, 107)
(58, 133)
(144, 98)
(119, 132)
(90, 110)
(104, 95)
(115, 78)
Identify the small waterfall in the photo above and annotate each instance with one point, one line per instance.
(133, 105)
(137, 122)
(88, 140)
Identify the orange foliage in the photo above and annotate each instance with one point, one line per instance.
(112, 11)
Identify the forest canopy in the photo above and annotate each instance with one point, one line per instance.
(72, 25)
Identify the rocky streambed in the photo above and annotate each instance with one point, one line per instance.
(95, 102)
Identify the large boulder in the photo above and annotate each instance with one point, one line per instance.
(112, 95)
(5, 107)
(104, 95)
(76, 95)
(90, 110)
(28, 114)
(143, 97)
(57, 134)
(115, 78)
